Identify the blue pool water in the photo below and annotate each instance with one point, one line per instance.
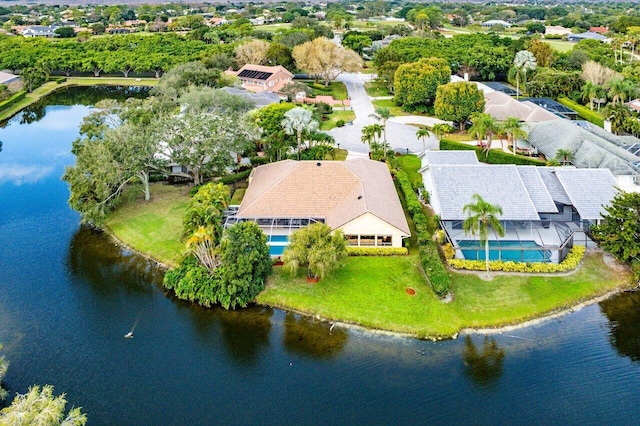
(277, 244)
(505, 250)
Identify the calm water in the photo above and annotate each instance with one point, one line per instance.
(68, 295)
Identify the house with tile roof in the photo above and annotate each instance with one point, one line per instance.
(543, 208)
(260, 78)
(502, 106)
(357, 197)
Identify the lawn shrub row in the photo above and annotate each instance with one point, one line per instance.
(584, 112)
(569, 263)
(234, 177)
(430, 260)
(256, 161)
(494, 156)
(13, 99)
(377, 251)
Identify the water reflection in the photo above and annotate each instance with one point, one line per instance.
(483, 365)
(623, 313)
(96, 259)
(308, 337)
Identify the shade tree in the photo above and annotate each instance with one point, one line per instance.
(315, 248)
(458, 101)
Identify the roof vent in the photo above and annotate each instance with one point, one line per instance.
(359, 197)
(318, 164)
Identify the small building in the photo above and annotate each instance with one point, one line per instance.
(502, 106)
(586, 36)
(599, 30)
(634, 105)
(8, 78)
(493, 22)
(556, 30)
(357, 197)
(216, 22)
(543, 208)
(39, 31)
(260, 78)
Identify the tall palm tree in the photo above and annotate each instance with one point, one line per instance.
(423, 133)
(617, 116)
(564, 156)
(382, 114)
(619, 90)
(512, 127)
(591, 91)
(371, 134)
(299, 120)
(483, 126)
(482, 215)
(441, 129)
(524, 61)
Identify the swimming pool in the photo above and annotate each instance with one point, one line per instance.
(505, 250)
(277, 244)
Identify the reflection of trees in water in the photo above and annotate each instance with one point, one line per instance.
(94, 257)
(484, 366)
(80, 96)
(306, 336)
(623, 313)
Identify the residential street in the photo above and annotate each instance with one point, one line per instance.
(400, 136)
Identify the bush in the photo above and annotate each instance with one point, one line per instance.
(13, 99)
(449, 251)
(234, 177)
(377, 251)
(494, 156)
(340, 123)
(569, 263)
(584, 112)
(58, 80)
(256, 161)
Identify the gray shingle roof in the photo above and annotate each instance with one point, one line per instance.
(589, 149)
(553, 185)
(589, 190)
(537, 190)
(499, 185)
(451, 158)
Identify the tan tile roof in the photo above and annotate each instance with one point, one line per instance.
(501, 106)
(265, 68)
(338, 191)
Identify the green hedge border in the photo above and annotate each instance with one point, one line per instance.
(584, 112)
(13, 99)
(568, 264)
(494, 156)
(377, 251)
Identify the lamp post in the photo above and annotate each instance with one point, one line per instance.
(338, 145)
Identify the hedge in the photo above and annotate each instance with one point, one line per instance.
(584, 112)
(13, 99)
(494, 156)
(256, 161)
(234, 177)
(377, 251)
(432, 265)
(569, 263)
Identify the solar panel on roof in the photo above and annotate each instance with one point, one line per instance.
(258, 75)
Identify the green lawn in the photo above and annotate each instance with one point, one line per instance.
(237, 197)
(374, 89)
(395, 110)
(335, 88)
(153, 228)
(371, 291)
(458, 137)
(561, 45)
(335, 116)
(411, 165)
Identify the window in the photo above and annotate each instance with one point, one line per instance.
(383, 240)
(367, 240)
(352, 240)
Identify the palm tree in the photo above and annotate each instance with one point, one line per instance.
(371, 134)
(298, 120)
(382, 114)
(619, 90)
(423, 133)
(524, 61)
(483, 125)
(564, 156)
(617, 116)
(481, 217)
(441, 129)
(592, 91)
(512, 127)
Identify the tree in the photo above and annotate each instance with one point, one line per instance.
(178, 79)
(40, 407)
(246, 263)
(64, 32)
(293, 88)
(269, 122)
(542, 51)
(591, 92)
(441, 129)
(458, 101)
(597, 74)
(316, 249)
(206, 210)
(297, 121)
(618, 115)
(371, 134)
(483, 126)
(482, 215)
(33, 77)
(357, 42)
(512, 127)
(536, 27)
(423, 133)
(322, 58)
(619, 231)
(253, 52)
(279, 54)
(619, 90)
(416, 83)
(383, 115)
(564, 156)
(524, 61)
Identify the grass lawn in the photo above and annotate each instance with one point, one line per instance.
(374, 89)
(369, 68)
(458, 137)
(153, 228)
(371, 291)
(395, 110)
(335, 116)
(336, 89)
(411, 165)
(561, 45)
(339, 155)
(237, 197)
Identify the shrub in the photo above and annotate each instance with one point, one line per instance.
(584, 112)
(377, 251)
(256, 161)
(569, 263)
(438, 236)
(13, 99)
(494, 156)
(449, 251)
(340, 123)
(234, 177)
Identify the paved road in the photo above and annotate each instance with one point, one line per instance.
(400, 136)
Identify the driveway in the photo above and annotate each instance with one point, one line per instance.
(400, 136)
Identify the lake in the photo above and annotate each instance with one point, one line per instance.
(68, 295)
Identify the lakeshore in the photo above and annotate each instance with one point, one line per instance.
(371, 291)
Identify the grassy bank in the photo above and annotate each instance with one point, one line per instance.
(52, 86)
(372, 292)
(336, 116)
(154, 227)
